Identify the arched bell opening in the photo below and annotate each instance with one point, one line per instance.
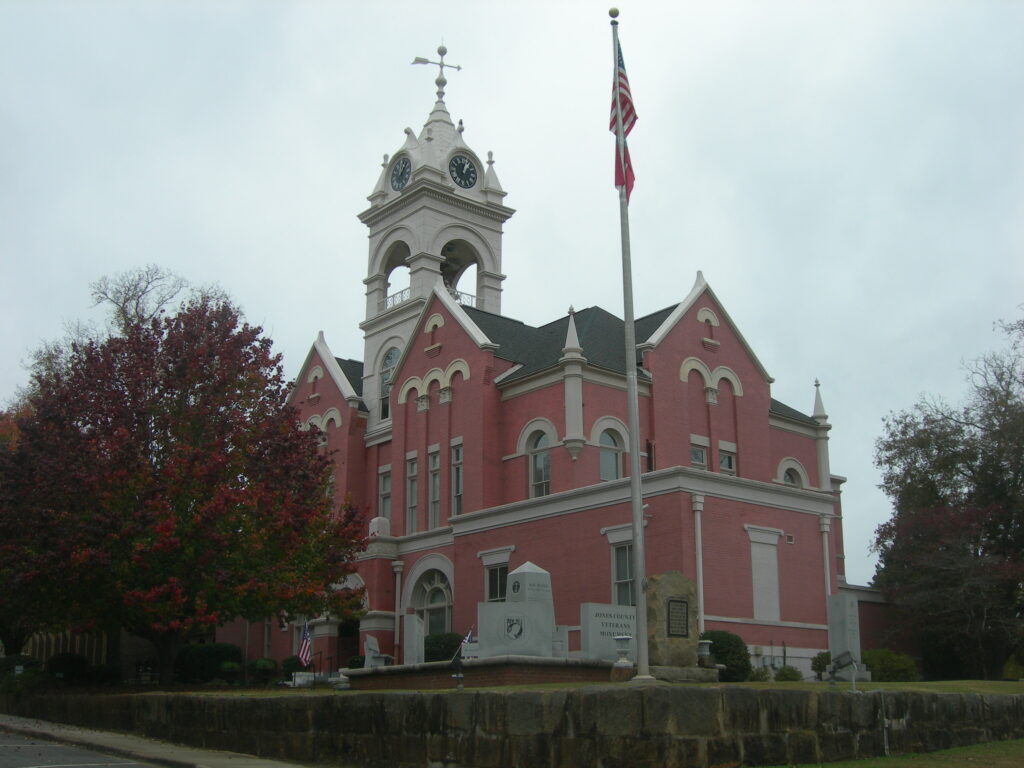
(459, 271)
(396, 271)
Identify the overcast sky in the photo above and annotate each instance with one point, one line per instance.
(849, 176)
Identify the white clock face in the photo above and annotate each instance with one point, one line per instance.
(400, 173)
(462, 171)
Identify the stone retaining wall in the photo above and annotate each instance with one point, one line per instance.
(653, 726)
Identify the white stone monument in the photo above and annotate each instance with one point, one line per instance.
(844, 634)
(523, 625)
(600, 624)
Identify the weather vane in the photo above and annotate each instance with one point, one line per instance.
(440, 81)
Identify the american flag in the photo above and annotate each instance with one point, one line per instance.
(305, 651)
(625, 99)
(622, 102)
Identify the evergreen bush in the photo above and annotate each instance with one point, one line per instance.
(820, 663)
(788, 674)
(889, 666)
(730, 650)
(441, 647)
(262, 671)
(291, 664)
(230, 671)
(72, 668)
(200, 663)
(356, 662)
(761, 675)
(8, 663)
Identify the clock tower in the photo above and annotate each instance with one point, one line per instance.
(436, 212)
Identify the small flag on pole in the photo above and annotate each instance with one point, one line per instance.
(305, 651)
(624, 114)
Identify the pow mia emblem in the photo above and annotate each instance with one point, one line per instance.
(514, 627)
(515, 587)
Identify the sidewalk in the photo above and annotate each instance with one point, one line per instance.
(135, 747)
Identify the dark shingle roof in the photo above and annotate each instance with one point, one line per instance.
(353, 370)
(601, 335)
(646, 326)
(781, 409)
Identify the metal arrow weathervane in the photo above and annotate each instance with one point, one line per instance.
(441, 81)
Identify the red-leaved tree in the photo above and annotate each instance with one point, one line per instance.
(28, 557)
(183, 490)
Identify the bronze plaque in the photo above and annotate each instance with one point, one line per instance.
(678, 618)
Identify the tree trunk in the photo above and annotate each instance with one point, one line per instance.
(167, 646)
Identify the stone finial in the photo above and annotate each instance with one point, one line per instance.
(819, 407)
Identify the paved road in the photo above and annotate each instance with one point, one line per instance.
(25, 752)
(28, 743)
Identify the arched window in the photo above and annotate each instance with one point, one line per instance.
(387, 373)
(540, 465)
(792, 477)
(611, 455)
(433, 602)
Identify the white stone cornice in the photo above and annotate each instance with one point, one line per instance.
(711, 485)
(423, 190)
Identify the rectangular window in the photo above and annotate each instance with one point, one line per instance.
(434, 490)
(497, 579)
(727, 462)
(540, 473)
(699, 456)
(384, 495)
(410, 496)
(622, 574)
(456, 480)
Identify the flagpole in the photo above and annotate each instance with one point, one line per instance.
(643, 671)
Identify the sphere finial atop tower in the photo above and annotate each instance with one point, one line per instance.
(441, 82)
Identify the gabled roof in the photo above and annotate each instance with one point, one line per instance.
(347, 375)
(700, 287)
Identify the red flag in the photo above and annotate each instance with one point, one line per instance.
(624, 169)
(622, 103)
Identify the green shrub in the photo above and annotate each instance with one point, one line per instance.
(230, 671)
(356, 662)
(262, 671)
(1013, 670)
(291, 664)
(105, 674)
(199, 663)
(32, 680)
(730, 650)
(72, 668)
(788, 674)
(890, 667)
(441, 647)
(8, 663)
(820, 663)
(761, 675)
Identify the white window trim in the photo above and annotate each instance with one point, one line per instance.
(496, 556)
(619, 534)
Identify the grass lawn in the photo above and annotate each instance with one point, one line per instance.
(1000, 754)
